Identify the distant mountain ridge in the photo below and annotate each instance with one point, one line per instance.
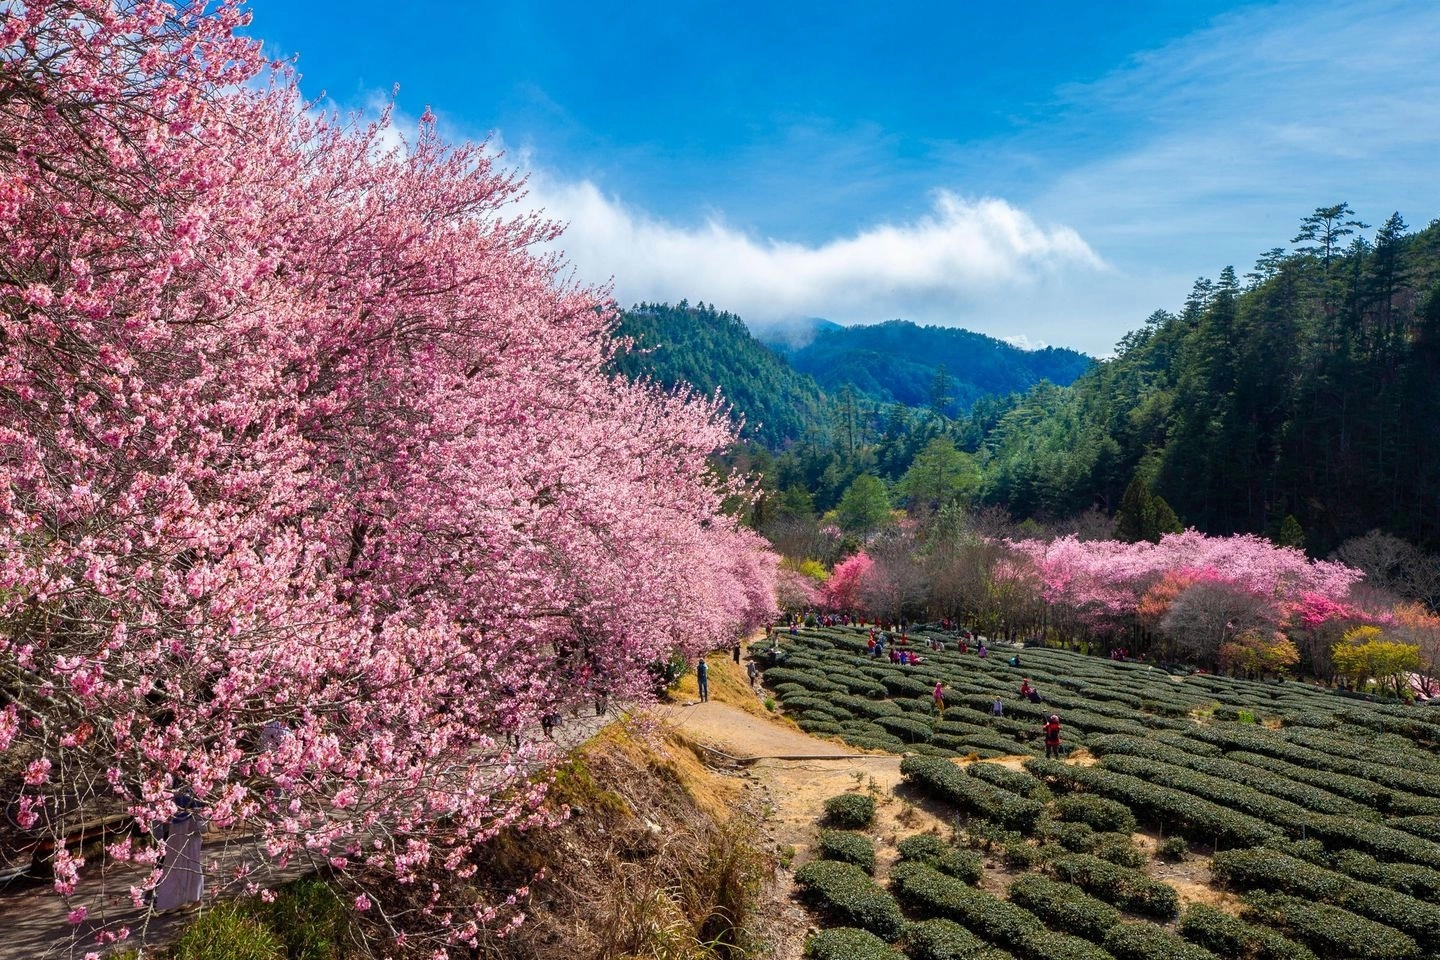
(899, 361)
(785, 386)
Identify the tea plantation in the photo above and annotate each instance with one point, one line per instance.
(1319, 813)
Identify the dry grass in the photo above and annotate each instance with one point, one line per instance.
(663, 861)
(728, 684)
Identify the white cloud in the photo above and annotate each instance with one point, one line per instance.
(1024, 342)
(936, 268)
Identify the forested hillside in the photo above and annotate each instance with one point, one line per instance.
(1307, 388)
(709, 349)
(941, 367)
(840, 376)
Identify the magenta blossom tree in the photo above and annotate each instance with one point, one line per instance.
(314, 483)
(845, 590)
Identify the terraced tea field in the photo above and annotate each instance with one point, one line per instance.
(1315, 814)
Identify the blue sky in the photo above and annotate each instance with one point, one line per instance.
(1048, 173)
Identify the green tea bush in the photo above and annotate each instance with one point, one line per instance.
(1119, 849)
(226, 931)
(1064, 906)
(820, 728)
(1232, 795)
(1016, 781)
(1319, 721)
(901, 685)
(1098, 813)
(1022, 855)
(965, 865)
(859, 685)
(848, 943)
(922, 848)
(997, 744)
(1199, 819)
(1272, 870)
(870, 709)
(906, 728)
(1174, 849)
(1125, 888)
(1146, 941)
(933, 894)
(1191, 748)
(942, 939)
(850, 811)
(1227, 936)
(932, 750)
(1330, 931)
(846, 893)
(1381, 773)
(1387, 738)
(1045, 945)
(1373, 838)
(848, 847)
(1423, 883)
(812, 682)
(1425, 827)
(1075, 837)
(887, 743)
(945, 781)
(808, 702)
(1184, 753)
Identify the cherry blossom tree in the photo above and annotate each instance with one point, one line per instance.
(797, 592)
(844, 591)
(1109, 586)
(1416, 625)
(301, 434)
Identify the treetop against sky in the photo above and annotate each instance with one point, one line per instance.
(1044, 172)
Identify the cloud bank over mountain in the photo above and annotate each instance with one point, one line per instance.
(964, 253)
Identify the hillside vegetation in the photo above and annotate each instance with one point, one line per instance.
(1308, 388)
(944, 368)
(710, 350)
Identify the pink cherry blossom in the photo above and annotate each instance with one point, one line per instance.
(315, 482)
(843, 591)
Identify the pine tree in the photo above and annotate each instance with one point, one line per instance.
(1290, 534)
(1144, 515)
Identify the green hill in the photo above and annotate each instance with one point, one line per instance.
(709, 349)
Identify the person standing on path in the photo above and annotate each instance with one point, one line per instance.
(940, 698)
(735, 651)
(182, 877)
(702, 675)
(752, 671)
(1051, 730)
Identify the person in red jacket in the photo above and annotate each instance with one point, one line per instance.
(1051, 730)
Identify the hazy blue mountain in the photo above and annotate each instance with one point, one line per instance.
(899, 362)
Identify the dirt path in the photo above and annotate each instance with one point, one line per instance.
(743, 735)
(794, 774)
